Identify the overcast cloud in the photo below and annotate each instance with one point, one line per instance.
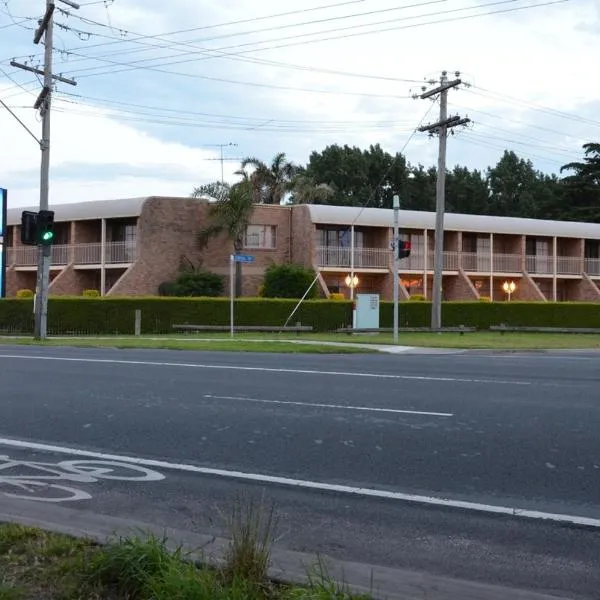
(146, 114)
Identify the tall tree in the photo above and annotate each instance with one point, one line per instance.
(467, 192)
(270, 183)
(582, 188)
(212, 191)
(230, 216)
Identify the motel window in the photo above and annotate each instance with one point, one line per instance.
(261, 236)
(340, 238)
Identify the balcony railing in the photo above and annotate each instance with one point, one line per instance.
(592, 266)
(507, 263)
(80, 254)
(568, 265)
(366, 258)
(27, 256)
(475, 262)
(114, 253)
(540, 265)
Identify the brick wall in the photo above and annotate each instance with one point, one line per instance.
(215, 257)
(67, 282)
(585, 290)
(166, 236)
(527, 290)
(19, 280)
(304, 242)
(459, 287)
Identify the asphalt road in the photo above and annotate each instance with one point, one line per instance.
(511, 430)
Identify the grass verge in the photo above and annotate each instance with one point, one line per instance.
(273, 342)
(214, 344)
(45, 566)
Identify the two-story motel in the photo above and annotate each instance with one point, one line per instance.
(130, 246)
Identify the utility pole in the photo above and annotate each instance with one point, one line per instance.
(441, 127)
(43, 103)
(396, 263)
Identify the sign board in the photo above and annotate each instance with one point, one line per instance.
(367, 311)
(243, 258)
(3, 207)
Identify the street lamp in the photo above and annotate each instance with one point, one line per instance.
(351, 281)
(509, 287)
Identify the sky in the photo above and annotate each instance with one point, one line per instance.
(162, 85)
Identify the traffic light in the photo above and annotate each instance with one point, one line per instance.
(45, 227)
(37, 228)
(29, 228)
(403, 249)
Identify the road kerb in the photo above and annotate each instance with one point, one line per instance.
(382, 583)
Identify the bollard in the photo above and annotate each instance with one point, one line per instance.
(138, 323)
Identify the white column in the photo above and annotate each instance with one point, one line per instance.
(491, 267)
(554, 268)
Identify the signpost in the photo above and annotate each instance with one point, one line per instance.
(3, 204)
(233, 258)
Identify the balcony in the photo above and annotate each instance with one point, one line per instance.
(79, 254)
(592, 266)
(27, 256)
(364, 258)
(568, 265)
(114, 253)
(474, 262)
(507, 263)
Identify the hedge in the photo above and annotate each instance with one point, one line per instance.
(77, 315)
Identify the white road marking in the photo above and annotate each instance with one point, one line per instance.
(266, 369)
(311, 485)
(334, 406)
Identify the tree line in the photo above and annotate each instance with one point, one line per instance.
(350, 176)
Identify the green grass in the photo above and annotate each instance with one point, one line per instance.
(273, 342)
(45, 566)
(221, 344)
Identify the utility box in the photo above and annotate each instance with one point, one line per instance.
(367, 311)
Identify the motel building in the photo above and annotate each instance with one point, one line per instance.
(128, 247)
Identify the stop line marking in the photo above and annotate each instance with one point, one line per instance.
(312, 485)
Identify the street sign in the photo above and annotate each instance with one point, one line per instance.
(243, 258)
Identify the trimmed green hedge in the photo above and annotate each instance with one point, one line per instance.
(116, 315)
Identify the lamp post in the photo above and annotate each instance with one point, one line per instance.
(395, 263)
(509, 287)
(352, 282)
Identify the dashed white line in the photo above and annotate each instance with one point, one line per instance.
(331, 406)
(267, 369)
(311, 485)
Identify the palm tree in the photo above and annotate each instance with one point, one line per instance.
(271, 182)
(306, 191)
(230, 216)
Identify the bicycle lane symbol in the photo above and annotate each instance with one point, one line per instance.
(30, 480)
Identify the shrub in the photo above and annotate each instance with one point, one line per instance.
(288, 281)
(91, 294)
(25, 294)
(485, 299)
(337, 297)
(190, 283)
(418, 298)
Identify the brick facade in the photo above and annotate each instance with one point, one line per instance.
(166, 233)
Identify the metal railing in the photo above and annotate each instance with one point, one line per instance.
(367, 258)
(80, 254)
(508, 263)
(476, 262)
(592, 266)
(540, 265)
(27, 256)
(114, 253)
(568, 265)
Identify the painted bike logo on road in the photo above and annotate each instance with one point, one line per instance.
(34, 480)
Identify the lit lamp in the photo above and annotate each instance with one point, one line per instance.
(509, 287)
(351, 281)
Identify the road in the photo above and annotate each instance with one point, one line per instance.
(419, 435)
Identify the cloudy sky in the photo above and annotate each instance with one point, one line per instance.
(161, 84)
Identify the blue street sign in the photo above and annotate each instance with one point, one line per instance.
(244, 258)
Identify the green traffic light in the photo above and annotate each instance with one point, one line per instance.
(47, 236)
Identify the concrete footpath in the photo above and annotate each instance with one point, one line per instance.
(381, 583)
